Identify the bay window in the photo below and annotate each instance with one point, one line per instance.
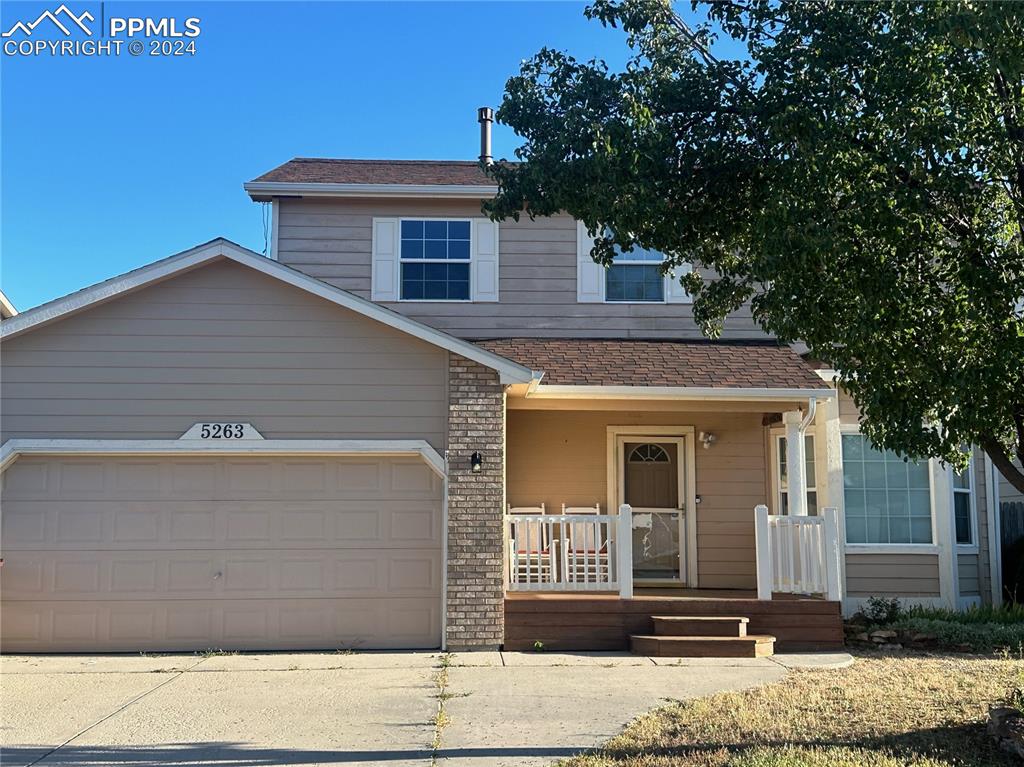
(888, 500)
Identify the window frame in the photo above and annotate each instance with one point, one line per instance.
(401, 261)
(888, 548)
(638, 263)
(777, 454)
(972, 493)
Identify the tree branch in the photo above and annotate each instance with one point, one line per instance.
(1002, 461)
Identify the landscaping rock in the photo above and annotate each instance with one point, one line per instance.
(890, 646)
(1006, 725)
(862, 637)
(882, 635)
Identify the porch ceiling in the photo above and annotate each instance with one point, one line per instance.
(683, 364)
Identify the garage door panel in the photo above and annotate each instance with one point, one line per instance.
(190, 478)
(137, 525)
(190, 553)
(272, 624)
(236, 574)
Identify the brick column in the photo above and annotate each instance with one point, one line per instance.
(476, 503)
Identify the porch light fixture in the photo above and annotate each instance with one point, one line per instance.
(476, 462)
(707, 438)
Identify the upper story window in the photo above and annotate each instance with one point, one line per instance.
(888, 500)
(633, 278)
(636, 277)
(434, 258)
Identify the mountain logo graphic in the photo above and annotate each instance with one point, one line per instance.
(54, 16)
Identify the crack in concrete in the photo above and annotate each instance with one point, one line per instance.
(177, 674)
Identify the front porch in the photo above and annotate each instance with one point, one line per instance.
(623, 515)
(565, 621)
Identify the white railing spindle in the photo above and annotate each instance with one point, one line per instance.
(569, 552)
(797, 554)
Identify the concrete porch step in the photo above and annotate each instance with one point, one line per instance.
(754, 646)
(698, 626)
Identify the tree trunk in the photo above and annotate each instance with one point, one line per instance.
(1002, 461)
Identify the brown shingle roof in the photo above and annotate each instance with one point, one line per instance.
(311, 170)
(659, 363)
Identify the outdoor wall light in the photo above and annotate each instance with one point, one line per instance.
(476, 462)
(707, 438)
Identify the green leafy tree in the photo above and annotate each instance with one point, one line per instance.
(857, 176)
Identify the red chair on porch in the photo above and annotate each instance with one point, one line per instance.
(531, 550)
(585, 555)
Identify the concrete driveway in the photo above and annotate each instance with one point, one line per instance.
(339, 709)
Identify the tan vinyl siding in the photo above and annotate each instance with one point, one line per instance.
(984, 572)
(557, 457)
(1007, 492)
(331, 239)
(222, 342)
(968, 575)
(892, 575)
(848, 412)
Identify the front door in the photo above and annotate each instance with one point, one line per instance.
(651, 482)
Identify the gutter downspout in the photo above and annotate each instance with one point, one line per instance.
(812, 409)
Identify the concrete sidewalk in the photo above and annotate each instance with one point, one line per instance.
(337, 708)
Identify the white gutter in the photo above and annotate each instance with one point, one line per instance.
(267, 189)
(696, 393)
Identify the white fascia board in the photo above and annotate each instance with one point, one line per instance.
(293, 447)
(7, 309)
(553, 391)
(264, 189)
(509, 372)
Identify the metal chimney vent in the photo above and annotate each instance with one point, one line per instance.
(485, 116)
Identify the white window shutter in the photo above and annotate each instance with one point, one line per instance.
(484, 260)
(589, 275)
(384, 271)
(674, 292)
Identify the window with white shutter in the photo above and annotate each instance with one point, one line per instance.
(384, 260)
(633, 278)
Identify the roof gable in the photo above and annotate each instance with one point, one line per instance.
(158, 271)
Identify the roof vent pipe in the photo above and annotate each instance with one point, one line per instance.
(485, 116)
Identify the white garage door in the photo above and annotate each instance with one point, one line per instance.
(187, 553)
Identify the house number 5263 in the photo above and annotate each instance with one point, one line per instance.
(221, 431)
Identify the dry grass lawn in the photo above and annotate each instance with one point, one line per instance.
(884, 711)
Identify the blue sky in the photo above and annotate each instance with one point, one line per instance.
(110, 163)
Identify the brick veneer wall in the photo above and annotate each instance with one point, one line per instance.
(476, 502)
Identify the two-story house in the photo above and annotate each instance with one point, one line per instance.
(410, 426)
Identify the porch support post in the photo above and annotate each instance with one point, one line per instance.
(832, 555)
(624, 551)
(796, 480)
(762, 552)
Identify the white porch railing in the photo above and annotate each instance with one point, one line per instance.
(570, 552)
(797, 554)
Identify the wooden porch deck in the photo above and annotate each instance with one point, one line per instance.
(604, 621)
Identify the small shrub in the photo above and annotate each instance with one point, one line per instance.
(538, 646)
(883, 611)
